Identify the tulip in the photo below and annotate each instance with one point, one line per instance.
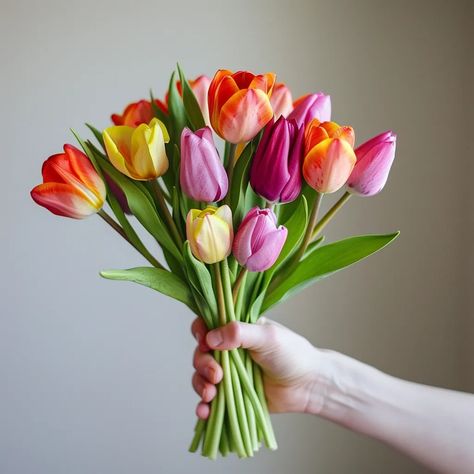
(259, 241)
(210, 233)
(71, 186)
(239, 104)
(329, 155)
(202, 174)
(311, 106)
(374, 160)
(137, 113)
(138, 152)
(281, 100)
(276, 168)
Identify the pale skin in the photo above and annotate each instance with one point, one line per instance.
(434, 426)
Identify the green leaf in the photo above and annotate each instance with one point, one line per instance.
(143, 209)
(200, 278)
(177, 112)
(313, 246)
(191, 105)
(97, 134)
(160, 280)
(296, 225)
(240, 182)
(325, 261)
(158, 113)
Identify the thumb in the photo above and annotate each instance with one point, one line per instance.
(237, 334)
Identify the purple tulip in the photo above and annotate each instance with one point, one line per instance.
(202, 174)
(118, 193)
(276, 168)
(259, 241)
(311, 106)
(374, 160)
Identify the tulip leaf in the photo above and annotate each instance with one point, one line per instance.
(156, 278)
(313, 246)
(143, 209)
(200, 279)
(157, 112)
(177, 113)
(191, 105)
(97, 134)
(325, 261)
(296, 225)
(240, 182)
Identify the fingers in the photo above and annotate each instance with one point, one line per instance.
(199, 331)
(207, 366)
(203, 411)
(236, 334)
(203, 388)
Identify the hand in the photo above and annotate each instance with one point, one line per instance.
(288, 360)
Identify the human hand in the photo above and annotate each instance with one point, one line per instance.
(289, 362)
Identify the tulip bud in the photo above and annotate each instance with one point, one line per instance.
(71, 186)
(374, 160)
(202, 174)
(239, 104)
(311, 106)
(281, 100)
(259, 241)
(138, 152)
(210, 233)
(137, 113)
(276, 168)
(329, 156)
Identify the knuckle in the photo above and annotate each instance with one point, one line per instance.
(234, 332)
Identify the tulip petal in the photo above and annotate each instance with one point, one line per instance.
(63, 200)
(269, 250)
(244, 115)
(117, 141)
(328, 165)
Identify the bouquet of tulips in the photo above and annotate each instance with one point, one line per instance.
(239, 230)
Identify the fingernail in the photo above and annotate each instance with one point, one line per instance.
(214, 338)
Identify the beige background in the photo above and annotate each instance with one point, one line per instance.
(95, 375)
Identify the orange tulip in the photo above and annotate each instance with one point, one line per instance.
(239, 104)
(329, 155)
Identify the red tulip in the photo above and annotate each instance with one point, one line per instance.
(71, 186)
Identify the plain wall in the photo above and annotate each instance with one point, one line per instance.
(95, 375)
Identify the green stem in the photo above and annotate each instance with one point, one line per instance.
(330, 214)
(248, 405)
(235, 289)
(118, 228)
(230, 169)
(166, 213)
(225, 362)
(198, 433)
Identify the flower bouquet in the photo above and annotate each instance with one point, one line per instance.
(238, 234)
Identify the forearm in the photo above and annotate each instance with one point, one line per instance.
(434, 426)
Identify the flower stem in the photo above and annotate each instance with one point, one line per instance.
(238, 283)
(166, 213)
(119, 229)
(330, 214)
(230, 169)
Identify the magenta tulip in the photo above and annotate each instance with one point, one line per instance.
(202, 174)
(276, 168)
(259, 241)
(311, 106)
(374, 160)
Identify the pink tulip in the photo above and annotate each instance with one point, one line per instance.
(202, 174)
(259, 241)
(311, 106)
(281, 100)
(374, 160)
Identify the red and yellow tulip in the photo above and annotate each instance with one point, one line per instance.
(137, 113)
(329, 155)
(71, 186)
(239, 104)
(138, 152)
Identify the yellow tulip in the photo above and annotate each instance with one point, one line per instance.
(210, 233)
(138, 152)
